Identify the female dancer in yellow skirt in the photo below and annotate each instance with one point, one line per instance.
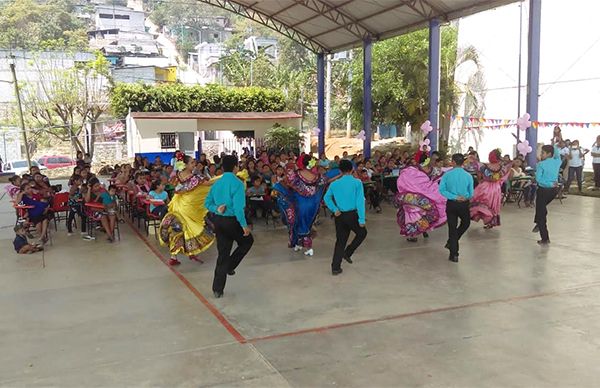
(186, 228)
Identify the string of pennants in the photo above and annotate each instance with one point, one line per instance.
(484, 122)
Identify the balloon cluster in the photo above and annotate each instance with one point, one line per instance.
(523, 122)
(361, 136)
(425, 143)
(524, 148)
(426, 127)
(316, 131)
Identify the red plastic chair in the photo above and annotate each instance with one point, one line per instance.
(60, 205)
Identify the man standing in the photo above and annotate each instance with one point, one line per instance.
(227, 200)
(457, 186)
(546, 176)
(346, 199)
(596, 163)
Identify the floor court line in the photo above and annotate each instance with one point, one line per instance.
(241, 339)
(212, 308)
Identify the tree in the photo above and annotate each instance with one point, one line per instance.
(61, 98)
(281, 138)
(400, 79)
(27, 24)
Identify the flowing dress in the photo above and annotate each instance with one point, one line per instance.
(421, 207)
(487, 197)
(299, 201)
(186, 228)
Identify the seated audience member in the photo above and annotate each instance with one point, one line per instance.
(76, 205)
(266, 174)
(21, 244)
(13, 187)
(157, 192)
(39, 214)
(109, 199)
(257, 197)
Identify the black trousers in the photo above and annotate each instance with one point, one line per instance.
(344, 224)
(575, 172)
(596, 174)
(76, 210)
(454, 211)
(228, 230)
(544, 196)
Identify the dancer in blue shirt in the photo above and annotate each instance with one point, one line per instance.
(346, 200)
(226, 200)
(546, 176)
(457, 186)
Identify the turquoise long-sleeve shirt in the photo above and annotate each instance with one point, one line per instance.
(546, 171)
(456, 183)
(228, 191)
(346, 194)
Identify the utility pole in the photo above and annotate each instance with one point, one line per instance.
(327, 128)
(20, 111)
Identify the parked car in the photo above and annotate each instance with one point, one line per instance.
(56, 161)
(20, 167)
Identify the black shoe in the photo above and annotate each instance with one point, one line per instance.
(336, 272)
(543, 242)
(218, 294)
(426, 235)
(536, 229)
(231, 273)
(348, 259)
(453, 259)
(412, 239)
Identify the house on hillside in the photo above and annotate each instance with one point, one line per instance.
(117, 17)
(145, 74)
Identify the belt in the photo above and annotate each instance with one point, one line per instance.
(349, 211)
(222, 216)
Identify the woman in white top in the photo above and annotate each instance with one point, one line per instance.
(596, 162)
(576, 160)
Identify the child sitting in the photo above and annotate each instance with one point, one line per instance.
(13, 187)
(257, 197)
(158, 192)
(21, 244)
(109, 200)
(76, 205)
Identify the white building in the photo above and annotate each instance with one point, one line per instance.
(269, 45)
(205, 61)
(123, 18)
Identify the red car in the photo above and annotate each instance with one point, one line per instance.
(56, 161)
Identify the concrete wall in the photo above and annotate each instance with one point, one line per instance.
(143, 134)
(134, 23)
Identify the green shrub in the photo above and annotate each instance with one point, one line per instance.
(181, 98)
(281, 138)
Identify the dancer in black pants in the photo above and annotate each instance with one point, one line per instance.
(457, 186)
(546, 175)
(226, 200)
(346, 200)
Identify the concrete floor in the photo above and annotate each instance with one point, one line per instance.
(510, 313)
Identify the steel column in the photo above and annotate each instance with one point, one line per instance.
(321, 101)
(533, 74)
(367, 108)
(434, 81)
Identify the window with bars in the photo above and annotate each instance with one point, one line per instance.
(168, 140)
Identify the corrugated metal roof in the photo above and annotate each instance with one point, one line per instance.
(334, 25)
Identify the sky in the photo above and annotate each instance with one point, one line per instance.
(569, 70)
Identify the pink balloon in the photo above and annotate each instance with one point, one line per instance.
(523, 122)
(316, 131)
(361, 136)
(426, 127)
(529, 149)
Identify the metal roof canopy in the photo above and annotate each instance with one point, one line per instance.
(333, 25)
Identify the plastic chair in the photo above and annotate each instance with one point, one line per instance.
(60, 205)
(151, 219)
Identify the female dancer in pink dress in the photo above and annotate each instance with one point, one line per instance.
(421, 207)
(487, 198)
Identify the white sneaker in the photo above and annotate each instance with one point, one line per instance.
(89, 238)
(297, 248)
(309, 252)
